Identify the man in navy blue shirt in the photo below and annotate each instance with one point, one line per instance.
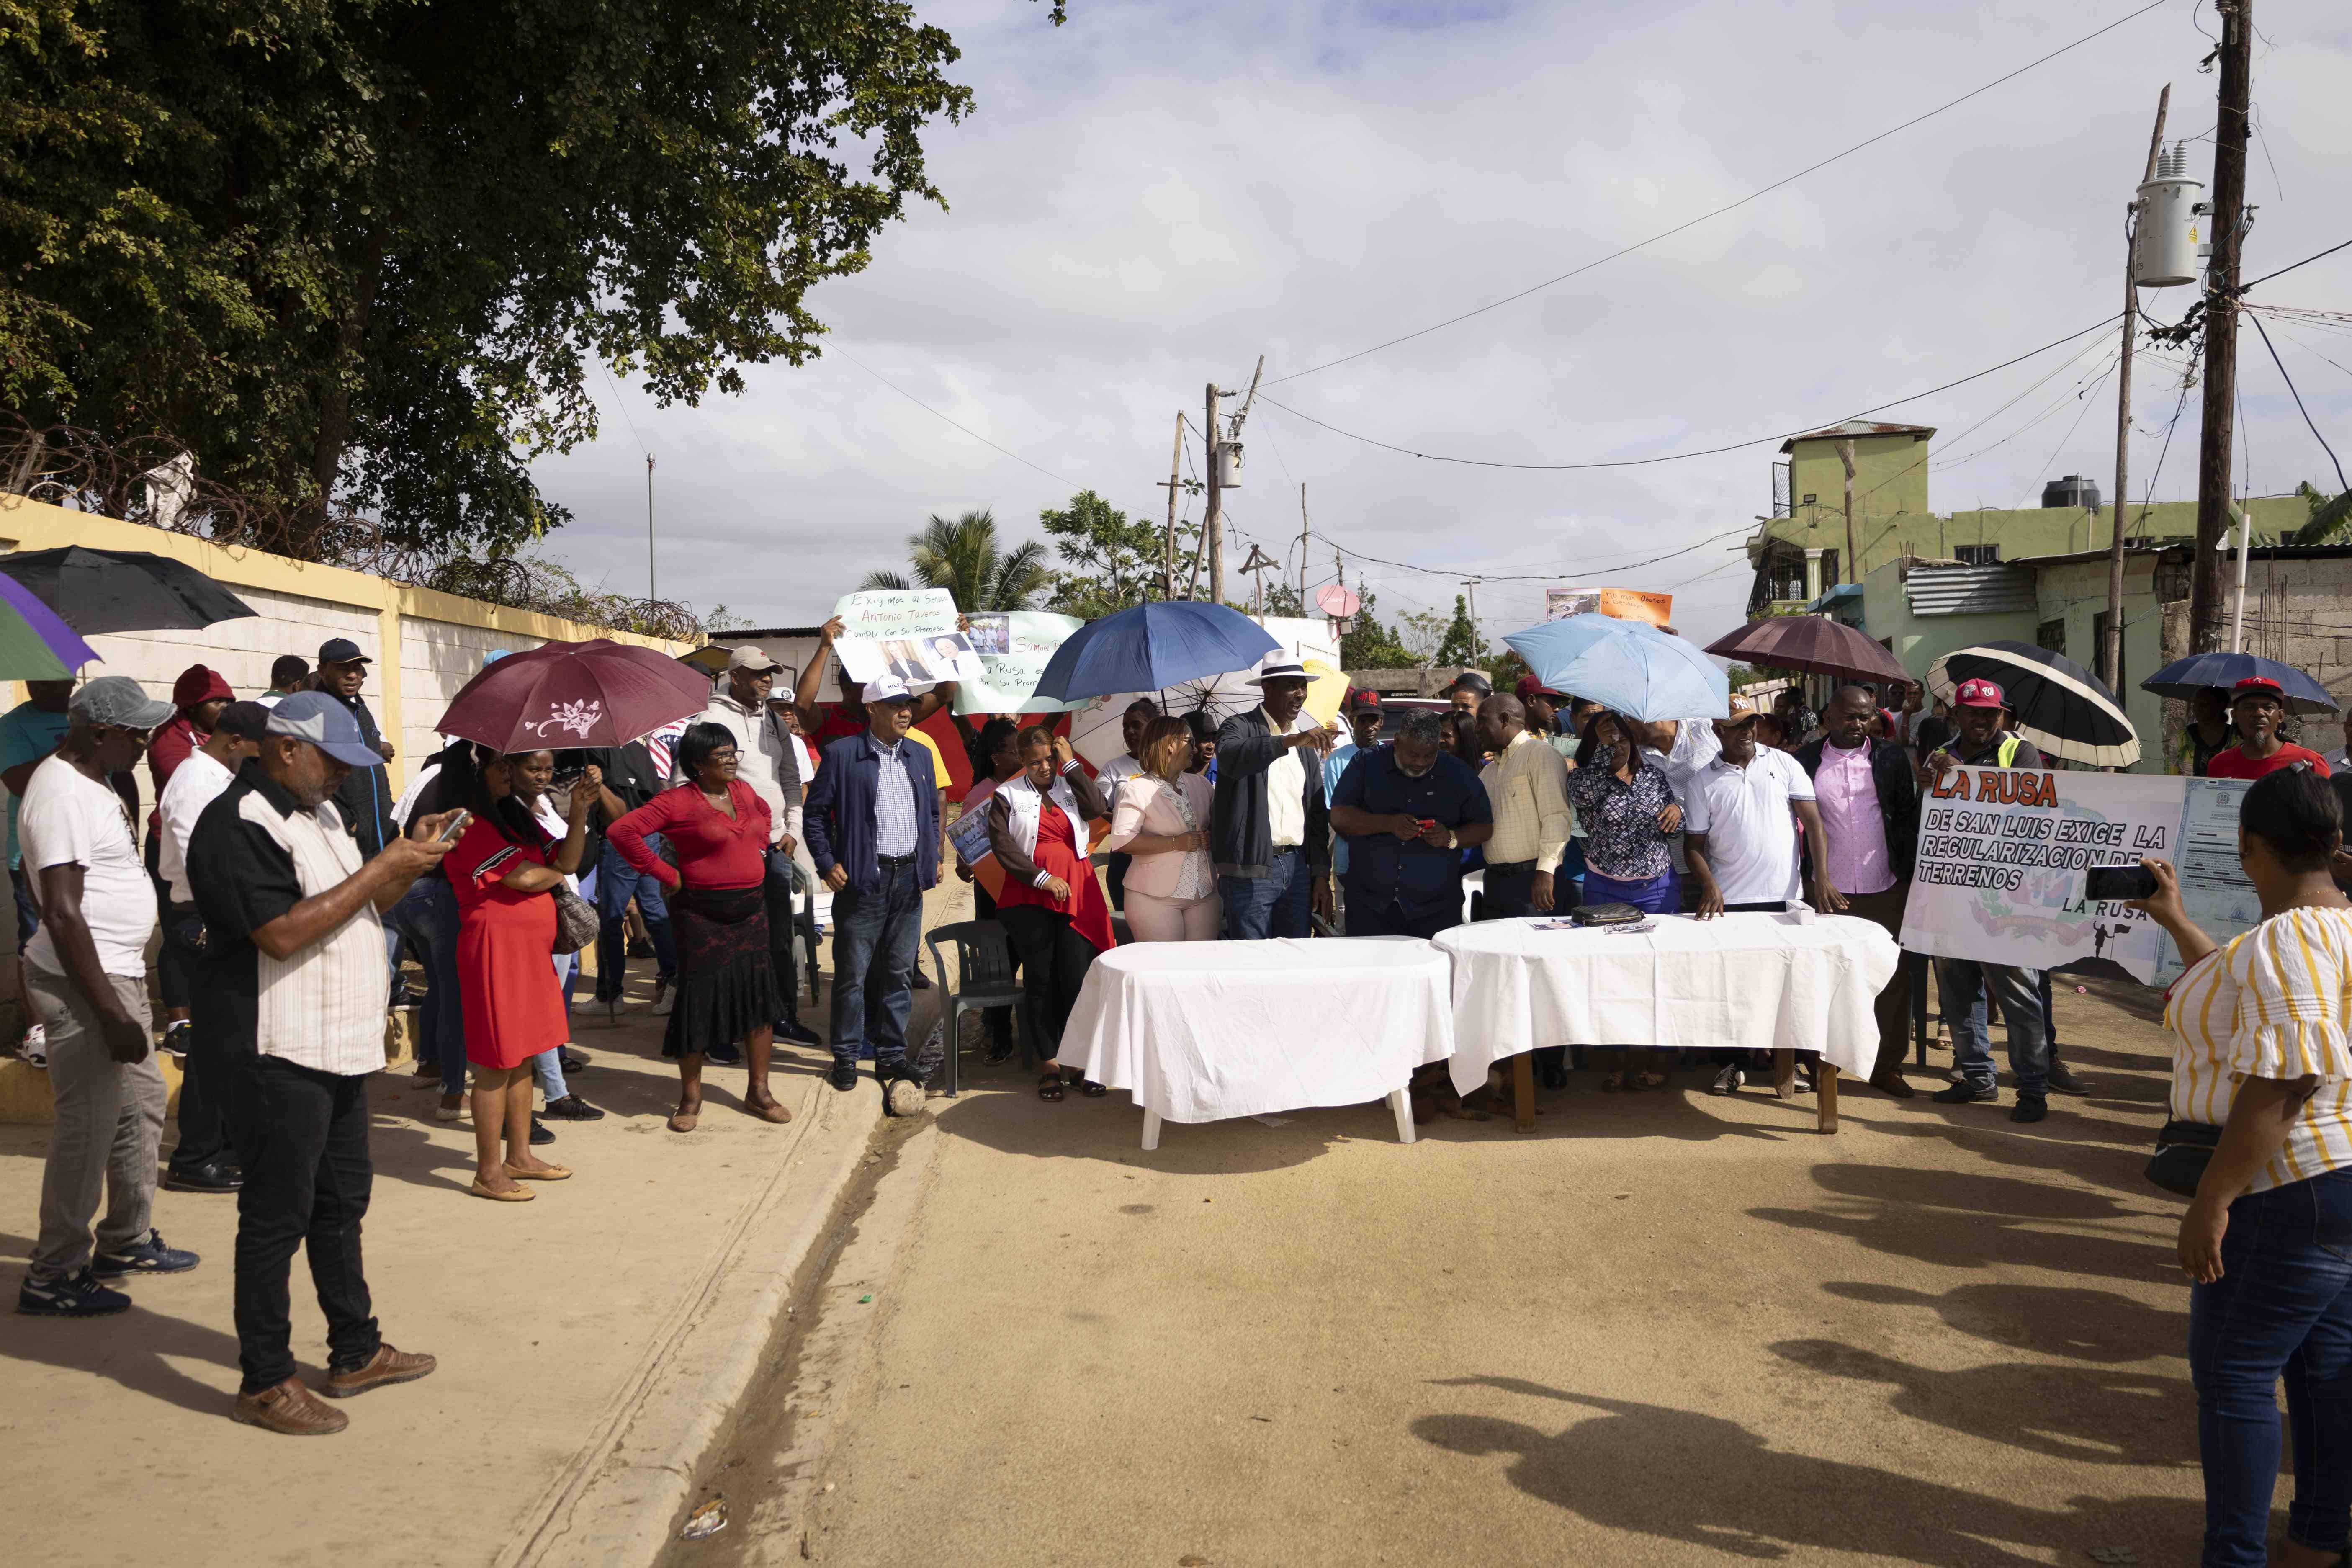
(1408, 810)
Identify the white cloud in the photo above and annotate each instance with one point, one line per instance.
(1153, 195)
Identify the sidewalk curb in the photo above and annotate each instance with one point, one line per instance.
(616, 1502)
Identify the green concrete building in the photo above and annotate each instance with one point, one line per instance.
(1800, 551)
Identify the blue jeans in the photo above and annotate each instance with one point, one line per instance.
(1276, 904)
(427, 912)
(1659, 895)
(617, 882)
(2282, 1307)
(782, 956)
(874, 938)
(1960, 983)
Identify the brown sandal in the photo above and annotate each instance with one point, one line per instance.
(684, 1121)
(519, 1196)
(539, 1174)
(1049, 1085)
(774, 1110)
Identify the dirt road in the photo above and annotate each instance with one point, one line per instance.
(1665, 1328)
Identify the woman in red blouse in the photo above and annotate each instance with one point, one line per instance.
(1051, 907)
(717, 828)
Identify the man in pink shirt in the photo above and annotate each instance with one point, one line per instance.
(1868, 797)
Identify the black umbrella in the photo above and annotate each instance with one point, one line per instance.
(2059, 706)
(96, 591)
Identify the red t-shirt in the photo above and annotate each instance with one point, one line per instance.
(713, 849)
(2234, 763)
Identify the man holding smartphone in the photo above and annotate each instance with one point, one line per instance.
(1408, 810)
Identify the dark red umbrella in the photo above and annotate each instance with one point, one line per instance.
(1812, 643)
(565, 694)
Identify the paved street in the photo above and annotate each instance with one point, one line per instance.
(1663, 1329)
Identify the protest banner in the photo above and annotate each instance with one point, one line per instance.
(1013, 647)
(1623, 604)
(2004, 854)
(903, 633)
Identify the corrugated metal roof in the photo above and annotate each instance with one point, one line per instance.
(1857, 428)
(1968, 590)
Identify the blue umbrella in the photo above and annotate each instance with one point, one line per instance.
(1627, 667)
(1153, 646)
(2184, 678)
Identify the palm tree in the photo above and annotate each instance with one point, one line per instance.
(963, 558)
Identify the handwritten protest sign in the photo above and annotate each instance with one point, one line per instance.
(1623, 604)
(2003, 852)
(903, 633)
(1014, 648)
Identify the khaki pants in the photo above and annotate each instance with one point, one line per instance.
(1894, 1003)
(109, 1124)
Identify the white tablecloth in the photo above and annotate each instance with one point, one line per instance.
(1198, 1031)
(1752, 981)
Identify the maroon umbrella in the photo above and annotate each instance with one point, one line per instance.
(565, 694)
(1812, 643)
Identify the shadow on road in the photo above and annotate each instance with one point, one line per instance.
(1723, 1490)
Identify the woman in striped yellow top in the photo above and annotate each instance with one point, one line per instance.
(2262, 1048)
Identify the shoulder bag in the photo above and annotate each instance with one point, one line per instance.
(2183, 1150)
(576, 921)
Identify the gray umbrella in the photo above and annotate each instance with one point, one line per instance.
(96, 591)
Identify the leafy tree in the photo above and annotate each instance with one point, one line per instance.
(2328, 514)
(1282, 599)
(965, 558)
(1459, 642)
(1369, 645)
(360, 253)
(1421, 634)
(1113, 564)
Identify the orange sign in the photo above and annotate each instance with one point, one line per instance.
(1624, 604)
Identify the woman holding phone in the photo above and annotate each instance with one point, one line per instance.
(2262, 1076)
(1160, 818)
(1629, 811)
(504, 869)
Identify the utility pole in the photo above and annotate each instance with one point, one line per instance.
(1258, 564)
(650, 594)
(1213, 524)
(1302, 547)
(2111, 650)
(1168, 549)
(1853, 569)
(1470, 586)
(2229, 221)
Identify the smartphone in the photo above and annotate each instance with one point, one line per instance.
(2119, 882)
(456, 826)
(1427, 822)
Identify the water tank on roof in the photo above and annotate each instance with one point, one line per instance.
(2164, 248)
(2074, 490)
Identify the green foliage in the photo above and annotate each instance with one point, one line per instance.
(1282, 599)
(363, 251)
(1421, 634)
(2329, 514)
(1505, 672)
(965, 558)
(1459, 644)
(1112, 564)
(1369, 645)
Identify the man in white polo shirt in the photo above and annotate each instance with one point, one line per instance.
(85, 973)
(294, 989)
(1740, 818)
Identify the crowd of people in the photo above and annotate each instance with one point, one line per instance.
(282, 885)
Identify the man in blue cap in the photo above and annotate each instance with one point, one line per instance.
(294, 947)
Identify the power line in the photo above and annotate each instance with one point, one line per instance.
(2299, 408)
(965, 428)
(1750, 197)
(622, 409)
(1536, 577)
(1704, 452)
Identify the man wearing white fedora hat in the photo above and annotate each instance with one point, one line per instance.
(1269, 830)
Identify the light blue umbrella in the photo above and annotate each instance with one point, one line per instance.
(1627, 667)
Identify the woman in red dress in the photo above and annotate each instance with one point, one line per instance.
(1051, 908)
(505, 871)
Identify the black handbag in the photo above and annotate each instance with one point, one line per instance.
(2183, 1150)
(576, 921)
(1605, 914)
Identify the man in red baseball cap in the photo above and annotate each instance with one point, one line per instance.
(2256, 705)
(1979, 742)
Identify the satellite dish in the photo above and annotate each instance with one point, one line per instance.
(1337, 601)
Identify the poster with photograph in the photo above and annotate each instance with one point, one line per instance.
(1013, 647)
(908, 634)
(1624, 604)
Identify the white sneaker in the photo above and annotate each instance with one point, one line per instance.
(37, 1046)
(665, 1001)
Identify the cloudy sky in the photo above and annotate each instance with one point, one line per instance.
(1155, 194)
